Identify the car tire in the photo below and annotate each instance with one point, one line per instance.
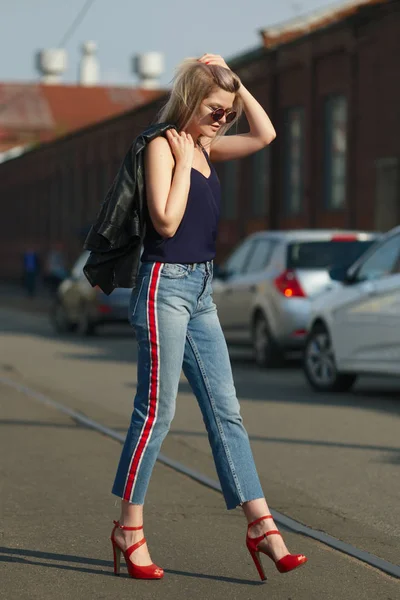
(319, 363)
(266, 351)
(85, 326)
(59, 318)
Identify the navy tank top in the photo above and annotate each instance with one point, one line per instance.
(195, 238)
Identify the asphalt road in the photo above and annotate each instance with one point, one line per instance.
(329, 461)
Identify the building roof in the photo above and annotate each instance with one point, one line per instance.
(48, 111)
(297, 28)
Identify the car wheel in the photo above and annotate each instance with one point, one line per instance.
(266, 351)
(59, 318)
(85, 325)
(320, 365)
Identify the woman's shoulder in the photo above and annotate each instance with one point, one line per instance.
(159, 144)
(158, 149)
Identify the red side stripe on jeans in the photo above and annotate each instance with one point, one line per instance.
(153, 384)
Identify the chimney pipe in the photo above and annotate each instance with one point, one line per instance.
(89, 65)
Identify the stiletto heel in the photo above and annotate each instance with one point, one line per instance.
(117, 557)
(135, 571)
(284, 565)
(256, 557)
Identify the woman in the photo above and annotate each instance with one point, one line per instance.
(173, 314)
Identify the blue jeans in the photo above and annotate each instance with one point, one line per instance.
(176, 325)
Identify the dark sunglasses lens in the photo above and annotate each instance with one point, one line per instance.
(230, 116)
(217, 114)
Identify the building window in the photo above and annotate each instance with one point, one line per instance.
(53, 199)
(335, 152)
(260, 168)
(387, 193)
(229, 190)
(293, 160)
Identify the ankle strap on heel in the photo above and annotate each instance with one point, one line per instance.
(256, 521)
(117, 524)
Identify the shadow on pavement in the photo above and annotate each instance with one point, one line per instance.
(8, 422)
(393, 459)
(317, 443)
(17, 555)
(298, 392)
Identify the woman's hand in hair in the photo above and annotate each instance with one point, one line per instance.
(213, 59)
(182, 147)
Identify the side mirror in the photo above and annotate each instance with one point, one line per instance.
(341, 274)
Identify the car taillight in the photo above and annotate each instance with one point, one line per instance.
(344, 237)
(104, 309)
(288, 285)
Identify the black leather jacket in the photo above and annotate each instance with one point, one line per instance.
(115, 239)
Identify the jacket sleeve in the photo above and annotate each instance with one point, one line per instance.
(109, 230)
(120, 216)
(115, 239)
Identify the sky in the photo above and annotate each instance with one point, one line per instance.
(124, 28)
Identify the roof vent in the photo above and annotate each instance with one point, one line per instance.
(89, 65)
(51, 64)
(149, 67)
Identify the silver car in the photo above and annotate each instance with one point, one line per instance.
(355, 328)
(264, 288)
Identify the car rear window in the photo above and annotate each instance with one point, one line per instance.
(325, 255)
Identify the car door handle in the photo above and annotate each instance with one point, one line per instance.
(369, 289)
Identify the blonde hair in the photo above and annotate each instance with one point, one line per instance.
(193, 82)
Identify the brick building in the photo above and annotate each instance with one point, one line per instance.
(332, 88)
(48, 195)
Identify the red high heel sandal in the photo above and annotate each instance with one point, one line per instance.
(284, 565)
(135, 571)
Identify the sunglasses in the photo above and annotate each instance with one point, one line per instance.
(218, 113)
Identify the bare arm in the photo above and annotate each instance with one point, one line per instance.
(261, 132)
(167, 189)
(260, 135)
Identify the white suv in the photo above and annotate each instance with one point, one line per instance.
(355, 328)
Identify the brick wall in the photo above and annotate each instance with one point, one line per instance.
(50, 194)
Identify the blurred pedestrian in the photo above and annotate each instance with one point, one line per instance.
(173, 314)
(55, 270)
(31, 269)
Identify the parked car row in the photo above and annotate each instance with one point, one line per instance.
(334, 295)
(264, 290)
